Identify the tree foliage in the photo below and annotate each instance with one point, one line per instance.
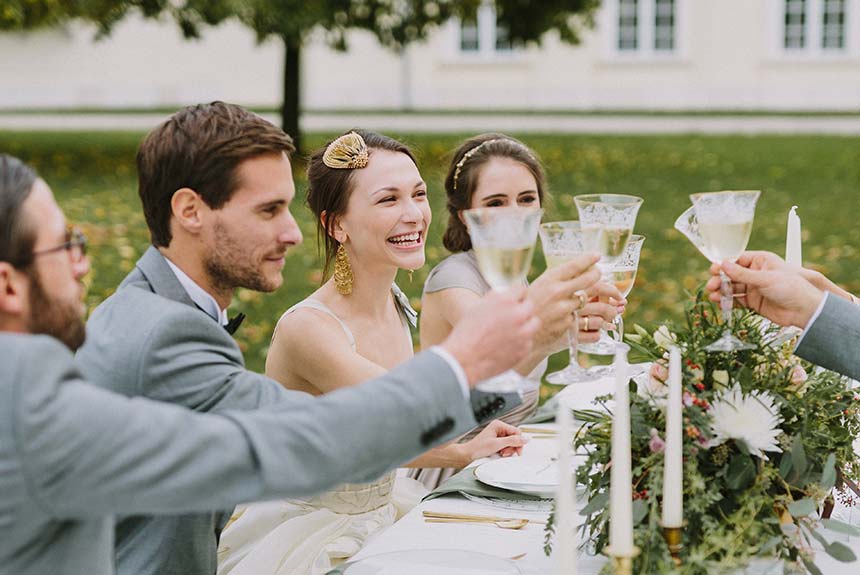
(395, 23)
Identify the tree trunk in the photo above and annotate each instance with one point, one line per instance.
(291, 107)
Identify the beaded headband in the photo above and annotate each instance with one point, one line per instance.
(472, 152)
(346, 152)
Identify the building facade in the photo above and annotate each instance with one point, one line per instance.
(641, 55)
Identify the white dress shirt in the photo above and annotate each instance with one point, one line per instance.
(198, 295)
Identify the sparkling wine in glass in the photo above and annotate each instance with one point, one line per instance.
(503, 267)
(504, 241)
(607, 223)
(622, 274)
(719, 225)
(561, 242)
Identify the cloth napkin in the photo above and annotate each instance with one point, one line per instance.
(465, 482)
(545, 413)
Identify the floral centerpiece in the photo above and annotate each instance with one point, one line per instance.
(768, 445)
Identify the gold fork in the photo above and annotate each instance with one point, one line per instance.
(477, 518)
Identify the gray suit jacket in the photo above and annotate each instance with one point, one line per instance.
(149, 339)
(833, 339)
(73, 454)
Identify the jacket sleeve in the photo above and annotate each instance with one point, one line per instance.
(88, 452)
(191, 361)
(833, 339)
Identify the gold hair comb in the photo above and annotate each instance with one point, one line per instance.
(347, 152)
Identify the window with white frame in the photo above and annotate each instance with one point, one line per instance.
(833, 25)
(814, 26)
(644, 27)
(628, 25)
(483, 34)
(795, 24)
(664, 25)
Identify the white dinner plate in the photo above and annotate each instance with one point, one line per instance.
(532, 476)
(433, 562)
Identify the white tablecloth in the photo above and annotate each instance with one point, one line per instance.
(411, 532)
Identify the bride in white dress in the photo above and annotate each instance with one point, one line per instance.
(373, 215)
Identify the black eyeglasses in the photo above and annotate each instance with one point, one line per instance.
(75, 244)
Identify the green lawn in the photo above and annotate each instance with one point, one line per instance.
(93, 176)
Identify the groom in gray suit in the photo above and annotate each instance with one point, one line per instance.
(72, 455)
(795, 296)
(215, 182)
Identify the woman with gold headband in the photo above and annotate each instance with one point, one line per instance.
(372, 212)
(495, 170)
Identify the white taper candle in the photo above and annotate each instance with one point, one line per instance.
(621, 480)
(673, 498)
(792, 239)
(565, 508)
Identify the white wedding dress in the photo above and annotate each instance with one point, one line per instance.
(312, 536)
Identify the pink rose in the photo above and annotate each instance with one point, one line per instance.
(688, 399)
(798, 375)
(656, 444)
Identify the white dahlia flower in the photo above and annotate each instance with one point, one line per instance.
(752, 419)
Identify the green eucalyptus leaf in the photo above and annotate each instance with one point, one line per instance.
(802, 507)
(841, 527)
(840, 552)
(589, 415)
(640, 510)
(770, 544)
(741, 471)
(810, 566)
(785, 465)
(819, 537)
(596, 503)
(828, 475)
(798, 455)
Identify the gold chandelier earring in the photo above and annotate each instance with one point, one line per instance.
(343, 277)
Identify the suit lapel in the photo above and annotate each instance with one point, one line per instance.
(161, 279)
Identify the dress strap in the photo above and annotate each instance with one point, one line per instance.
(406, 310)
(320, 306)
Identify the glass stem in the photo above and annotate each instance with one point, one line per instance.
(573, 341)
(619, 328)
(726, 300)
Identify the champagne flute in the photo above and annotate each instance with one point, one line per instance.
(504, 241)
(608, 220)
(607, 223)
(563, 241)
(719, 225)
(622, 275)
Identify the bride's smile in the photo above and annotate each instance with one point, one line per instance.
(387, 214)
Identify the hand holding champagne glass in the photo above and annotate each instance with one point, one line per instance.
(563, 241)
(719, 225)
(607, 223)
(503, 240)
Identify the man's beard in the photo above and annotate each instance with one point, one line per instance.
(229, 267)
(55, 317)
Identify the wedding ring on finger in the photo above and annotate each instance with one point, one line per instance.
(739, 295)
(585, 323)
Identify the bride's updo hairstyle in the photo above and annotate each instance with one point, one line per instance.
(330, 178)
(465, 172)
